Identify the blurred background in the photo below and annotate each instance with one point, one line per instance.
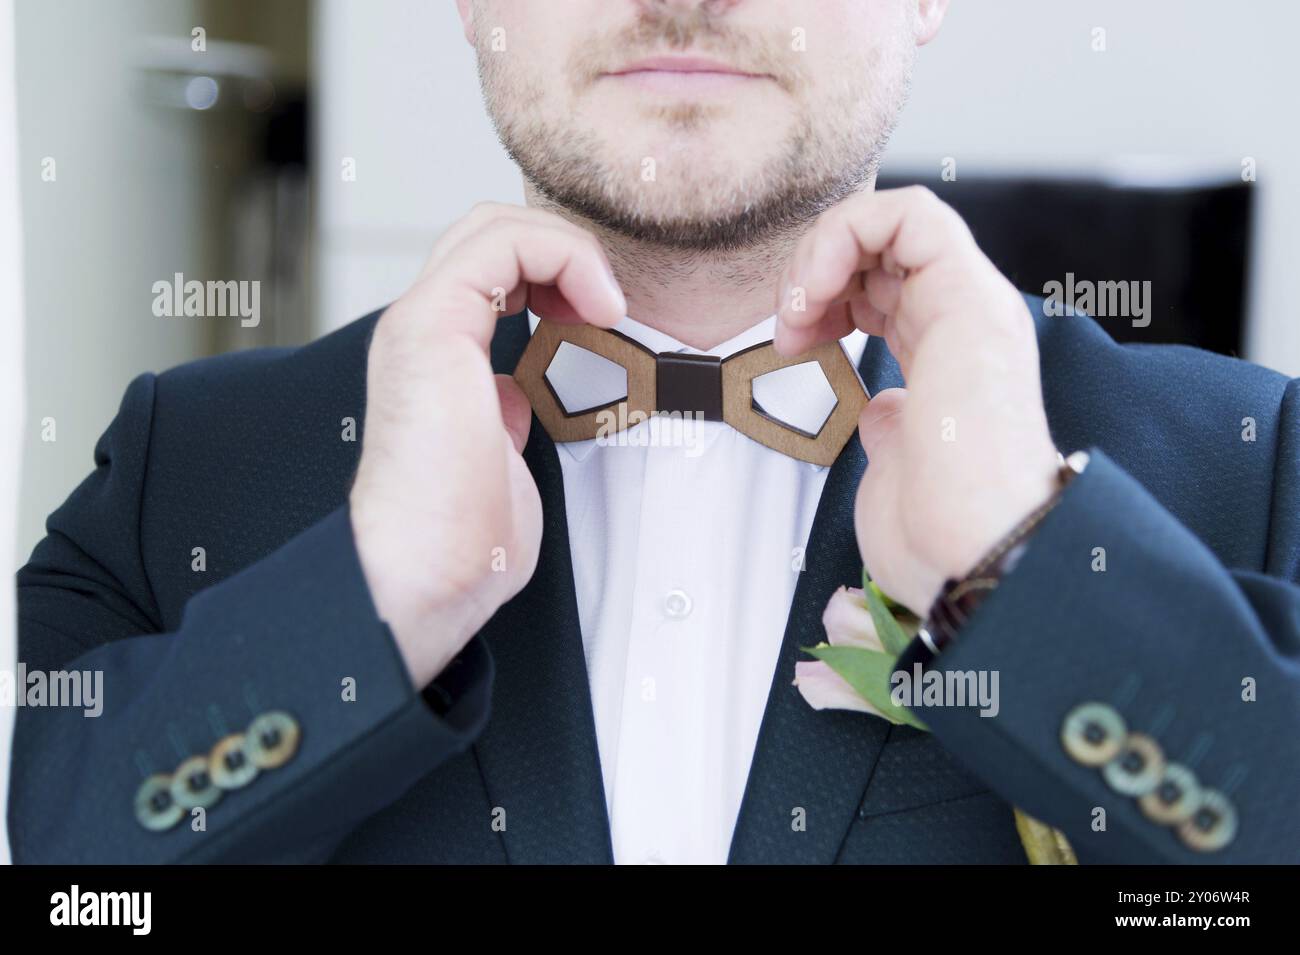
(320, 146)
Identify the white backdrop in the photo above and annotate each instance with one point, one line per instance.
(127, 201)
(11, 383)
(1009, 85)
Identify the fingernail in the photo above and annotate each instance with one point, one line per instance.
(781, 339)
(616, 292)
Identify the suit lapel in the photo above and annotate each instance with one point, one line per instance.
(817, 761)
(538, 752)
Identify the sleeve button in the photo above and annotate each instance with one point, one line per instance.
(1093, 734)
(155, 809)
(1212, 826)
(1174, 798)
(192, 785)
(272, 739)
(229, 763)
(1137, 768)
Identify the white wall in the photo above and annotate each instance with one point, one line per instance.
(1009, 85)
(1015, 85)
(120, 214)
(396, 91)
(11, 385)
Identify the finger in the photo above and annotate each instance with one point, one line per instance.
(856, 286)
(546, 301)
(872, 299)
(837, 323)
(881, 418)
(838, 319)
(479, 217)
(505, 254)
(516, 412)
(549, 303)
(884, 291)
(516, 301)
(846, 239)
(867, 317)
(803, 307)
(909, 230)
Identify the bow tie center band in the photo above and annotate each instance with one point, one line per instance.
(710, 388)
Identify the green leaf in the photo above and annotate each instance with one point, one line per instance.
(869, 584)
(868, 672)
(892, 635)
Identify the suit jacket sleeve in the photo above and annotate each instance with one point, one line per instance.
(1203, 659)
(289, 634)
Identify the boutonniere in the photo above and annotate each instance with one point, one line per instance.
(866, 632)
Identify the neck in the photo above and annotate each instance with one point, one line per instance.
(699, 298)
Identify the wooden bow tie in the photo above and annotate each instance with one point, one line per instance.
(704, 386)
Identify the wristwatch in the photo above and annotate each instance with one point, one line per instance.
(959, 599)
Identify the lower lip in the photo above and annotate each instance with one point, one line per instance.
(684, 81)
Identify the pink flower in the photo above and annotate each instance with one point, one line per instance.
(848, 621)
(848, 624)
(824, 689)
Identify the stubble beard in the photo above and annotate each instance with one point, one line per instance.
(831, 152)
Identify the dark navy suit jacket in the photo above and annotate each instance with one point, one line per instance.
(243, 455)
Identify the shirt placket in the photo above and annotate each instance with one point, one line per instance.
(664, 732)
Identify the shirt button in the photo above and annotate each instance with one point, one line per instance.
(677, 604)
(653, 858)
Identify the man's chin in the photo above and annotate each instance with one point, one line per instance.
(702, 148)
(693, 227)
(695, 194)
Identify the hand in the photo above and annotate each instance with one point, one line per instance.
(962, 454)
(446, 516)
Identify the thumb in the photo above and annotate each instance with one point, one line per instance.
(881, 417)
(516, 412)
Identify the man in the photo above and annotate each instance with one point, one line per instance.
(472, 643)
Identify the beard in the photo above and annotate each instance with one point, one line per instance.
(831, 150)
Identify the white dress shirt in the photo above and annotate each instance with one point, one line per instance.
(687, 541)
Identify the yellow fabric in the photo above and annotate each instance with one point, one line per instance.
(1043, 844)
